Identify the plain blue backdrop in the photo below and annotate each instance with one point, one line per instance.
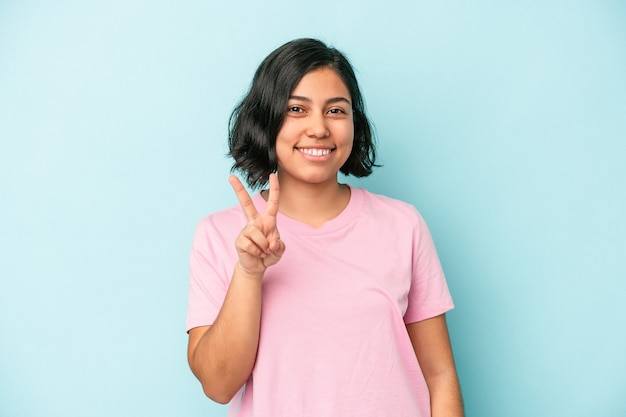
(504, 123)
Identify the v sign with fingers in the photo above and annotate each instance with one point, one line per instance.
(222, 355)
(258, 245)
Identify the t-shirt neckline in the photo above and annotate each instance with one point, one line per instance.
(344, 218)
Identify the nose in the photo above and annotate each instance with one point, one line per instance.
(317, 126)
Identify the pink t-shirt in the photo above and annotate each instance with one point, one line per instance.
(333, 339)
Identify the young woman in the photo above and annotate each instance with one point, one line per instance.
(314, 298)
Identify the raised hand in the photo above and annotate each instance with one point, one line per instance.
(258, 245)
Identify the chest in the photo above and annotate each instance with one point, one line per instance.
(350, 275)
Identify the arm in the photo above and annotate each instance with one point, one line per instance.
(222, 356)
(433, 350)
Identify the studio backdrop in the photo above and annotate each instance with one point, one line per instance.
(504, 123)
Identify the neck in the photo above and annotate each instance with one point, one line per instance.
(314, 204)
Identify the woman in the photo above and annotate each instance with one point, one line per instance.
(332, 301)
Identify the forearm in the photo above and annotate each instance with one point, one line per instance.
(445, 395)
(434, 353)
(224, 356)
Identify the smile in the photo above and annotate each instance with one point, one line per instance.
(315, 151)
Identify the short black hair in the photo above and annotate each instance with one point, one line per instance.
(255, 122)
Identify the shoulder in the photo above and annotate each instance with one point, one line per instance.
(394, 215)
(222, 218)
(382, 205)
(223, 225)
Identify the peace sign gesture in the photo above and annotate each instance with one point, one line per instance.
(258, 245)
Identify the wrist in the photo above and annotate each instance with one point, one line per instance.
(245, 273)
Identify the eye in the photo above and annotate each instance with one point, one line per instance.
(295, 109)
(337, 111)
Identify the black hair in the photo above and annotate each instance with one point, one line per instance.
(255, 122)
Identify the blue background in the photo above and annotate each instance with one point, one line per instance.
(503, 122)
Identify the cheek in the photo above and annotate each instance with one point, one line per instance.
(284, 142)
(348, 133)
(286, 133)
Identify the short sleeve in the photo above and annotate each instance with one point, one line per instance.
(211, 262)
(429, 295)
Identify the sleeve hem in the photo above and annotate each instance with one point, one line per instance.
(428, 313)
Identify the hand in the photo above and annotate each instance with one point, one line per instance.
(258, 245)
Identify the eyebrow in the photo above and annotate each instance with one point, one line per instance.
(329, 101)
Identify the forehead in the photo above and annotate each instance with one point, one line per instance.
(322, 81)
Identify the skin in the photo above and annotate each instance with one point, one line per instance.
(313, 143)
(318, 119)
(432, 347)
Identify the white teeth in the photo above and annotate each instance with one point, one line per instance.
(315, 152)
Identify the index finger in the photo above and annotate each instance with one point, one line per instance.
(273, 196)
(244, 198)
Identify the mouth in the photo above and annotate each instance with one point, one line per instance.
(315, 151)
